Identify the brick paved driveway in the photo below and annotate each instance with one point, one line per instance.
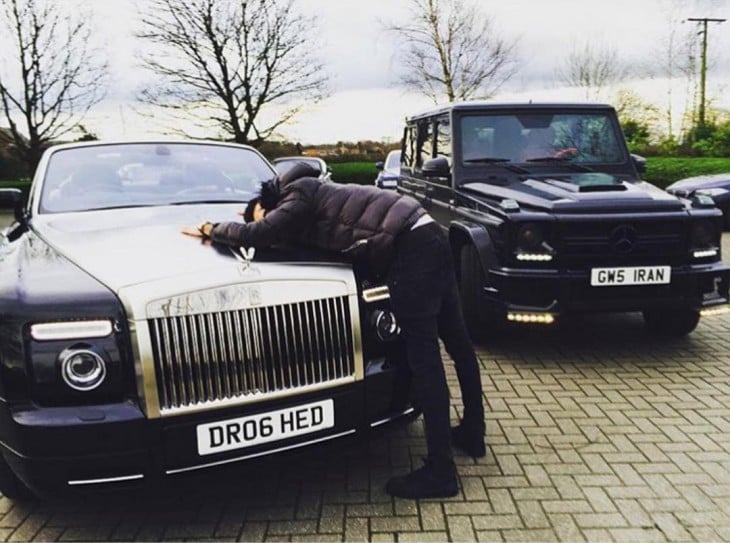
(597, 432)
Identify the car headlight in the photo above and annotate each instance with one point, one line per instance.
(529, 237)
(385, 325)
(530, 244)
(702, 235)
(82, 369)
(712, 192)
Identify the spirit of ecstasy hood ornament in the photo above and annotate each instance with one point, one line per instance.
(247, 255)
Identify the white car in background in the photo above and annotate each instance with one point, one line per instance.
(285, 163)
(389, 171)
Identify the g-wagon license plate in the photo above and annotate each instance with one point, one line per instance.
(238, 433)
(640, 275)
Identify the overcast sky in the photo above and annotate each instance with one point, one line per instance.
(358, 54)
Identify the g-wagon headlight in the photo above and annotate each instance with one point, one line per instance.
(82, 369)
(530, 244)
(529, 237)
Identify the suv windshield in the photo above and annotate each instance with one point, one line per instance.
(539, 137)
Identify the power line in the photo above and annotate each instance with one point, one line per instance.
(703, 67)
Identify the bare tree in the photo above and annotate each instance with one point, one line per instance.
(592, 67)
(222, 63)
(451, 50)
(50, 77)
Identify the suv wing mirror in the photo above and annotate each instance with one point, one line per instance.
(436, 167)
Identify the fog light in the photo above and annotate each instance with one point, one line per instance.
(82, 369)
(49, 331)
(539, 318)
(386, 328)
(718, 310)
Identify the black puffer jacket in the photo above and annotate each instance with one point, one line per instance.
(359, 220)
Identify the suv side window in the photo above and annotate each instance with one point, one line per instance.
(408, 150)
(443, 138)
(425, 142)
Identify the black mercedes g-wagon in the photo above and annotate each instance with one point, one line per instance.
(547, 216)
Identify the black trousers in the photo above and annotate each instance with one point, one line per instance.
(425, 300)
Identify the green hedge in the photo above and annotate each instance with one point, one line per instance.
(362, 173)
(660, 171)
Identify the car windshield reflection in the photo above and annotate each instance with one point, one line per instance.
(539, 138)
(150, 174)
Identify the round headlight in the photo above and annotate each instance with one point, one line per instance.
(529, 237)
(702, 234)
(82, 369)
(386, 327)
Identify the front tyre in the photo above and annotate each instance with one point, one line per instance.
(671, 322)
(10, 485)
(479, 321)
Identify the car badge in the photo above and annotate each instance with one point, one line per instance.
(623, 239)
(245, 258)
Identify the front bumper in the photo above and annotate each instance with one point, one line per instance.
(58, 450)
(569, 291)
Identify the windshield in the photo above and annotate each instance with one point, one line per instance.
(539, 137)
(149, 174)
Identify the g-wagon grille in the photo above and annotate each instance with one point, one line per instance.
(237, 354)
(624, 242)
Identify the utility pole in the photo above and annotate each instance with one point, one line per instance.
(703, 68)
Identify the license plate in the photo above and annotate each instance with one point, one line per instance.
(238, 433)
(639, 275)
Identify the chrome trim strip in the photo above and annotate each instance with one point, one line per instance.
(262, 453)
(134, 477)
(144, 365)
(357, 354)
(388, 419)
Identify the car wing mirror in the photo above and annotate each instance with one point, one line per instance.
(13, 199)
(379, 165)
(436, 167)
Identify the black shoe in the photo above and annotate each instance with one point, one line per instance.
(469, 439)
(433, 480)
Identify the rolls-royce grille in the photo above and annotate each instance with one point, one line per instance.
(235, 354)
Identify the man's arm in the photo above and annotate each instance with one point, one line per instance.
(292, 215)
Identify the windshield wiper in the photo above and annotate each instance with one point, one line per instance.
(485, 160)
(216, 201)
(502, 162)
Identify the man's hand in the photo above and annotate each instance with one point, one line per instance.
(192, 231)
(203, 230)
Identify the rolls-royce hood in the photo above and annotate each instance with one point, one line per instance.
(127, 247)
(582, 193)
